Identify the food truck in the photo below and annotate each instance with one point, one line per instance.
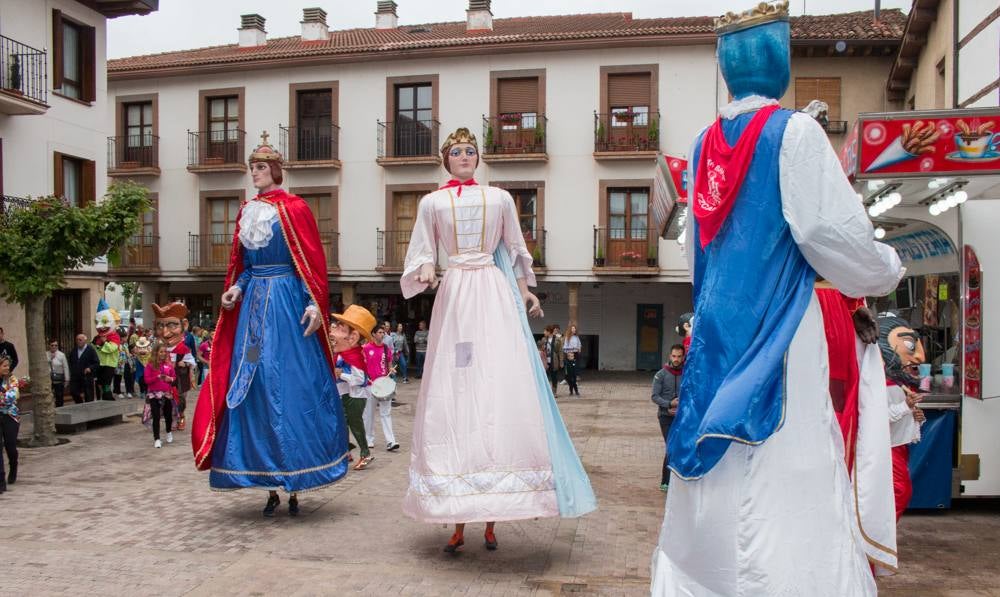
(930, 181)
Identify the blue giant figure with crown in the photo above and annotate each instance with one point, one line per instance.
(761, 503)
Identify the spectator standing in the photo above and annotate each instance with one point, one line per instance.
(666, 395)
(401, 351)
(58, 371)
(141, 354)
(420, 348)
(571, 357)
(204, 355)
(83, 364)
(553, 347)
(9, 421)
(7, 349)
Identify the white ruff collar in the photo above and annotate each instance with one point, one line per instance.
(747, 104)
(255, 224)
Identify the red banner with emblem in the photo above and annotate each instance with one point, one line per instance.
(972, 335)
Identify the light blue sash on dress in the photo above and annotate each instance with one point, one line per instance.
(573, 490)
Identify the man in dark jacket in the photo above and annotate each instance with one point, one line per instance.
(666, 392)
(7, 349)
(83, 364)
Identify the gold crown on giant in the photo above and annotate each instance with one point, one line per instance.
(265, 152)
(764, 12)
(461, 135)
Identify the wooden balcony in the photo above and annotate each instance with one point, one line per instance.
(23, 78)
(626, 251)
(310, 148)
(392, 246)
(133, 155)
(139, 255)
(408, 143)
(518, 137)
(209, 253)
(626, 135)
(216, 151)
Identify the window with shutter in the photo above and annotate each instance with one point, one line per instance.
(825, 89)
(74, 58)
(629, 99)
(518, 98)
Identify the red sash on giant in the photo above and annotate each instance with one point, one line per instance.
(456, 183)
(844, 376)
(720, 174)
(302, 237)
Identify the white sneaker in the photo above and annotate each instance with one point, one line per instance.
(170, 437)
(157, 444)
(130, 395)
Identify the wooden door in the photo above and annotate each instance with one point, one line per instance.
(627, 236)
(314, 111)
(404, 215)
(223, 129)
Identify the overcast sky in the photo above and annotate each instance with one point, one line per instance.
(186, 24)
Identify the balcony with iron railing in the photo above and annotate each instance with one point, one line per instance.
(391, 247)
(310, 147)
(632, 251)
(209, 253)
(134, 155)
(514, 137)
(626, 135)
(140, 254)
(24, 77)
(8, 205)
(408, 143)
(536, 246)
(216, 151)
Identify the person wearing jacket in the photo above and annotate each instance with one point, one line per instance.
(83, 364)
(666, 392)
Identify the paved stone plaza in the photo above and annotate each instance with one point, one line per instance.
(109, 515)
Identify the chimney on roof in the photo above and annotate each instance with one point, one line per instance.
(385, 16)
(479, 16)
(314, 26)
(252, 32)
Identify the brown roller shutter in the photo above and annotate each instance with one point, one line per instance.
(57, 49)
(628, 90)
(824, 89)
(517, 95)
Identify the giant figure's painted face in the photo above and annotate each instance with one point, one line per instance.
(756, 60)
(901, 348)
(107, 319)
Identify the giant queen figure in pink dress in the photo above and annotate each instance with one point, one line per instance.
(488, 441)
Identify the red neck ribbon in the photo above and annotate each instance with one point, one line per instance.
(454, 182)
(721, 170)
(354, 357)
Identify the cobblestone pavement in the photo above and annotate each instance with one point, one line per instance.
(106, 514)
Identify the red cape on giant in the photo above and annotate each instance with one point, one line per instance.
(302, 237)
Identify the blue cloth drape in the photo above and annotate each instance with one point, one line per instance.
(573, 491)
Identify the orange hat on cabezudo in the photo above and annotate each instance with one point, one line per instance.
(358, 318)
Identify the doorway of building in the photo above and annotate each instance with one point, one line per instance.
(648, 337)
(64, 317)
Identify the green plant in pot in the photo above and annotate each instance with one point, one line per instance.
(599, 257)
(651, 256)
(536, 256)
(488, 141)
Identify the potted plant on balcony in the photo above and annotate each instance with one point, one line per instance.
(630, 258)
(599, 133)
(654, 133)
(651, 256)
(599, 257)
(539, 139)
(488, 139)
(536, 256)
(15, 75)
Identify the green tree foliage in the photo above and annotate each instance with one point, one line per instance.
(39, 243)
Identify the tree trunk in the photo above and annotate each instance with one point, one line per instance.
(44, 413)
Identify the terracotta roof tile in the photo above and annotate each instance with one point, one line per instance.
(849, 26)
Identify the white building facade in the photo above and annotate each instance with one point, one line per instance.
(54, 129)
(570, 113)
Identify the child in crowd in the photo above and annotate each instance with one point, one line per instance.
(160, 376)
(346, 335)
(378, 363)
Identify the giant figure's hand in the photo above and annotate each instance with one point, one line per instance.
(532, 304)
(311, 316)
(865, 325)
(428, 275)
(230, 297)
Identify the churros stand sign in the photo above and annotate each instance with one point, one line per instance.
(928, 143)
